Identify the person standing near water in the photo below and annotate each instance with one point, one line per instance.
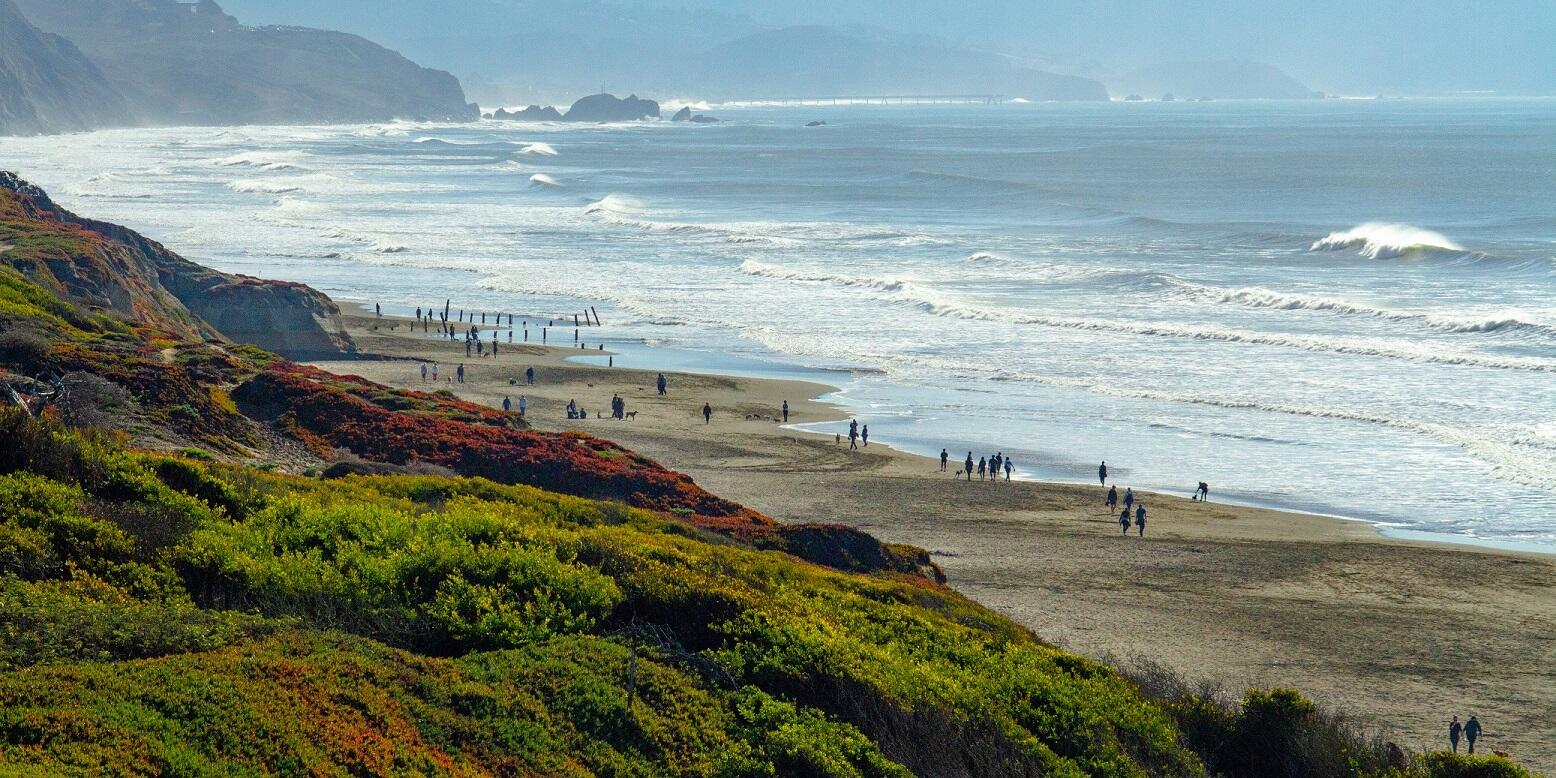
(661, 383)
(1140, 518)
(1102, 474)
(1008, 467)
(785, 411)
(968, 466)
(378, 310)
(945, 457)
(982, 464)
(864, 435)
(853, 435)
(707, 413)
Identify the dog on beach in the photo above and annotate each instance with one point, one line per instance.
(632, 415)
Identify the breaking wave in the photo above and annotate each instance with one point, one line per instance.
(266, 160)
(1379, 240)
(625, 212)
(541, 179)
(752, 267)
(539, 149)
(1258, 297)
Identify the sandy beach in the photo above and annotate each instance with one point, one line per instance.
(1402, 634)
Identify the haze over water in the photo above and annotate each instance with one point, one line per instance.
(1341, 306)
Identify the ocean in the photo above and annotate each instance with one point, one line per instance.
(1345, 307)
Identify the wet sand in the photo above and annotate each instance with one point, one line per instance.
(1402, 634)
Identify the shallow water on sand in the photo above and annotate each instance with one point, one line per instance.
(1347, 307)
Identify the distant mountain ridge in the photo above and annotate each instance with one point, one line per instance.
(165, 62)
(844, 61)
(1219, 79)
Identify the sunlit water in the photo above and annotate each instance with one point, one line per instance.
(1346, 307)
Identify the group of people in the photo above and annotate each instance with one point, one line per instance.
(507, 405)
(1469, 730)
(429, 371)
(1129, 503)
(988, 467)
(855, 432)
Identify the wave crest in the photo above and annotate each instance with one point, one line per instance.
(1381, 240)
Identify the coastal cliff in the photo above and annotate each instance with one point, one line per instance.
(164, 62)
(47, 84)
(110, 269)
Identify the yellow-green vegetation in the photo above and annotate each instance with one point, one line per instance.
(165, 615)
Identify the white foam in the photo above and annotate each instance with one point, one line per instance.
(539, 150)
(541, 179)
(1380, 240)
(266, 160)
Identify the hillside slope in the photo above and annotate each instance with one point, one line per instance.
(178, 63)
(46, 84)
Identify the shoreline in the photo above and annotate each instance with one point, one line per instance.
(705, 364)
(1397, 631)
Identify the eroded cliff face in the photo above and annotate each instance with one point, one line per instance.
(112, 269)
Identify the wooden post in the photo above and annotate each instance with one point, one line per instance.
(596, 316)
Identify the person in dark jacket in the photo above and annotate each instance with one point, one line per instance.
(707, 413)
(1472, 732)
(1140, 518)
(1123, 520)
(968, 466)
(1454, 730)
(1102, 473)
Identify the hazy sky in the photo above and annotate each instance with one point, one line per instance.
(1347, 46)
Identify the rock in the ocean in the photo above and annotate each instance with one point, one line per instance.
(533, 113)
(683, 115)
(816, 124)
(610, 108)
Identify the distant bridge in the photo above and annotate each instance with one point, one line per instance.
(869, 100)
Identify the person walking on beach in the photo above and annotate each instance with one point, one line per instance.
(982, 463)
(1204, 491)
(424, 372)
(945, 457)
(997, 462)
(1008, 467)
(1129, 499)
(1102, 473)
(462, 371)
(707, 413)
(853, 435)
(785, 411)
(864, 435)
(968, 465)
(434, 372)
(1454, 729)
(1112, 501)
(1123, 520)
(378, 310)
(1140, 518)
(418, 313)
(529, 375)
(661, 383)
(523, 405)
(1472, 732)
(507, 404)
